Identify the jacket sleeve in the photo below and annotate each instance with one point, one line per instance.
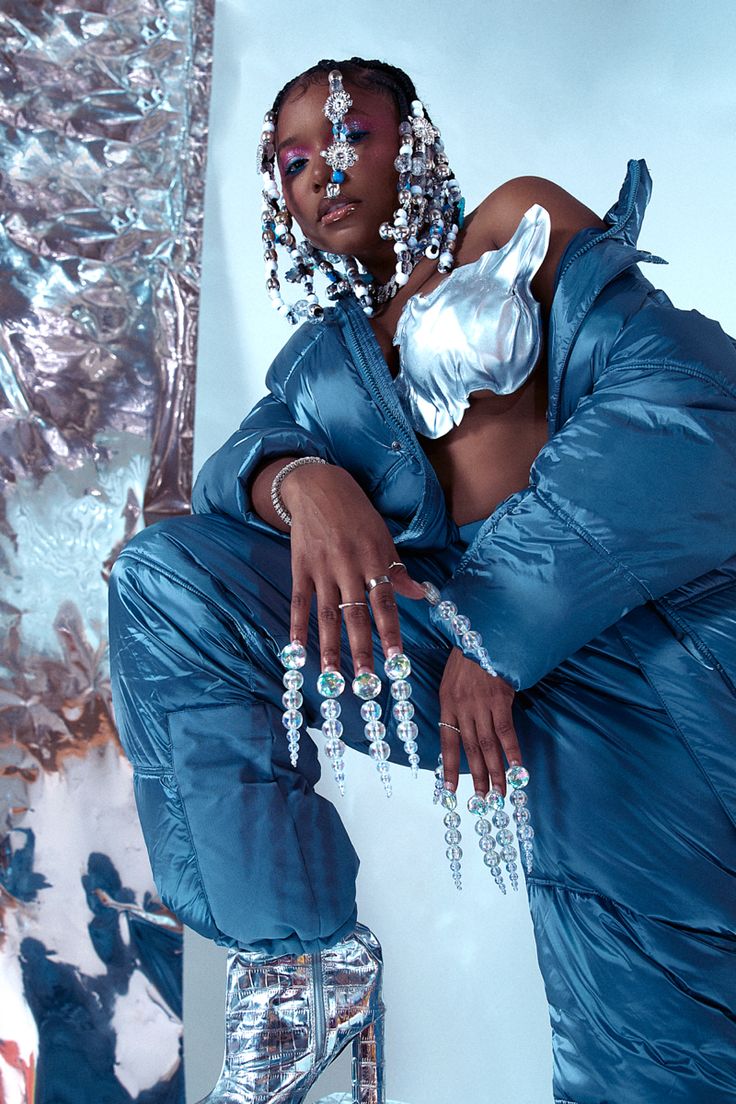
(223, 484)
(633, 497)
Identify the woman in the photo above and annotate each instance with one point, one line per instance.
(563, 473)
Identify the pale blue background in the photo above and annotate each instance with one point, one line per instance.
(568, 91)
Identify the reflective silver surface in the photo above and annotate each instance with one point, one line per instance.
(478, 330)
(287, 1018)
(103, 125)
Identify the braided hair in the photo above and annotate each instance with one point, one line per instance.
(373, 75)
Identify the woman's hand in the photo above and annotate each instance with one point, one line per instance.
(480, 706)
(339, 542)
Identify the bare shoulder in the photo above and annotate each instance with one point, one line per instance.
(497, 217)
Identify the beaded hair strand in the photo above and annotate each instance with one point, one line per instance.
(425, 223)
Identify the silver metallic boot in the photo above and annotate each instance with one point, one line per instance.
(287, 1018)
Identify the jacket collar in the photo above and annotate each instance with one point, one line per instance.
(591, 261)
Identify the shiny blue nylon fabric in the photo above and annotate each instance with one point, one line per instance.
(605, 592)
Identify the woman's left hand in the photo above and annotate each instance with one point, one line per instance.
(480, 706)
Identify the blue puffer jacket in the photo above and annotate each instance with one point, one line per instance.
(629, 514)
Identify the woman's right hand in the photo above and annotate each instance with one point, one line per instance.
(338, 542)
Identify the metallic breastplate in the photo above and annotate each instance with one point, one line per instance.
(478, 330)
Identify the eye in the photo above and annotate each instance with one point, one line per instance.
(357, 135)
(295, 166)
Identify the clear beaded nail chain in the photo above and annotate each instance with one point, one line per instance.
(492, 821)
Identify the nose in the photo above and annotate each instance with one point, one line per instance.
(320, 173)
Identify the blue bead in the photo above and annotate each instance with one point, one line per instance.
(335, 129)
(332, 276)
(338, 176)
(367, 278)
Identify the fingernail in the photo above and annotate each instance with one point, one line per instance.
(364, 670)
(393, 651)
(450, 786)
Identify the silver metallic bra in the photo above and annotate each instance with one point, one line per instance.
(478, 330)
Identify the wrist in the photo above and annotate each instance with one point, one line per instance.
(284, 475)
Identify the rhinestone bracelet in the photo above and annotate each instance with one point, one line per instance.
(276, 500)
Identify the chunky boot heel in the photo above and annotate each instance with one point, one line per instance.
(287, 1018)
(368, 1080)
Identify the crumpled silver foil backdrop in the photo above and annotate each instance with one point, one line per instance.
(103, 126)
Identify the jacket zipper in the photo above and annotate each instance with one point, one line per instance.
(397, 424)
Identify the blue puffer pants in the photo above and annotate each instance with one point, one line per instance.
(632, 894)
(241, 846)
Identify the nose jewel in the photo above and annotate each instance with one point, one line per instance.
(340, 156)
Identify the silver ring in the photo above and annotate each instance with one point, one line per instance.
(397, 563)
(444, 724)
(344, 605)
(373, 583)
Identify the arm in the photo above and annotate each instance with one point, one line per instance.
(635, 496)
(235, 479)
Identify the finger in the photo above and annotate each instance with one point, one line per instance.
(474, 754)
(386, 616)
(490, 750)
(503, 723)
(357, 618)
(301, 604)
(329, 622)
(403, 582)
(450, 747)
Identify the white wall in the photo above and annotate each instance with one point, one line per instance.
(569, 91)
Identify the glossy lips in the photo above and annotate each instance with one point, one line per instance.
(332, 210)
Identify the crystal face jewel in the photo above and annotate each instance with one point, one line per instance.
(340, 156)
(294, 655)
(338, 104)
(446, 610)
(330, 684)
(293, 680)
(379, 750)
(518, 777)
(367, 686)
(330, 709)
(397, 667)
(333, 190)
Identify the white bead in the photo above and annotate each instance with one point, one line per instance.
(417, 109)
(275, 294)
(446, 259)
(283, 308)
(401, 278)
(402, 149)
(312, 298)
(268, 128)
(416, 190)
(401, 247)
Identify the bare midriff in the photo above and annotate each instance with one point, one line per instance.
(488, 456)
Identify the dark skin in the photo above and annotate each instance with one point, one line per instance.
(338, 539)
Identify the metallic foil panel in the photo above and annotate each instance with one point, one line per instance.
(103, 128)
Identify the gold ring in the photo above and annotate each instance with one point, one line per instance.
(444, 724)
(344, 605)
